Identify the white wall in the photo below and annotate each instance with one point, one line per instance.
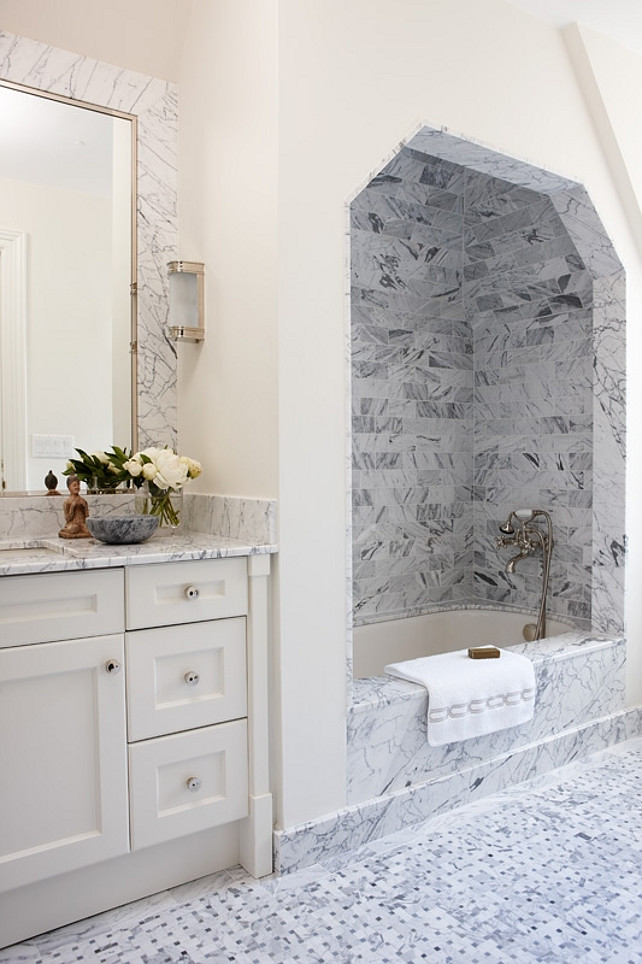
(143, 35)
(68, 315)
(227, 219)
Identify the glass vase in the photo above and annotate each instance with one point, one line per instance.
(167, 504)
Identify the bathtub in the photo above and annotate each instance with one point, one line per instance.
(376, 645)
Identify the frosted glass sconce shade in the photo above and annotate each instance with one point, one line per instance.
(186, 300)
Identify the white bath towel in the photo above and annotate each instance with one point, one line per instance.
(471, 697)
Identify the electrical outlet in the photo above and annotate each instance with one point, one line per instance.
(52, 446)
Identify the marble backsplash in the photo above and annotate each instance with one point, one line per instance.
(248, 520)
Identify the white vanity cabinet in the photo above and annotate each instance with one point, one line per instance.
(63, 759)
(187, 697)
(133, 734)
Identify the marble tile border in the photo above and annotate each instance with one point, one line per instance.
(353, 826)
(155, 104)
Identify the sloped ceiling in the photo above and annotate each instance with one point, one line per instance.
(619, 19)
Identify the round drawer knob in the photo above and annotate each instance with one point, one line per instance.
(194, 784)
(112, 666)
(191, 592)
(192, 678)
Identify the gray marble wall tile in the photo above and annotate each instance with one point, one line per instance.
(537, 315)
(528, 268)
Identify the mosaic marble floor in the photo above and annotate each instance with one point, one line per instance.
(550, 871)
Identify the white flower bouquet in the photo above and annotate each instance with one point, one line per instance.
(161, 471)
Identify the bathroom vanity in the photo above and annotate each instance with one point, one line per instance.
(133, 722)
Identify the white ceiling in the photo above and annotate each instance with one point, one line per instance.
(619, 19)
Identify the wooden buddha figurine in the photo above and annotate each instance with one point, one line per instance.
(76, 511)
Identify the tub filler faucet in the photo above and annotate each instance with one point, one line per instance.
(520, 532)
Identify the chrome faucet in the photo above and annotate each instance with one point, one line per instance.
(527, 538)
(510, 565)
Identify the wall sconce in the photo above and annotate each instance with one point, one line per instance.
(186, 300)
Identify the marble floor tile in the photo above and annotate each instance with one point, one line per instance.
(550, 871)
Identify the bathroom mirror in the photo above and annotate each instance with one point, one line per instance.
(67, 266)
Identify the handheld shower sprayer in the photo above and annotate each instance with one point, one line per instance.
(522, 515)
(507, 528)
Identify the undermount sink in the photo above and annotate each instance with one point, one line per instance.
(14, 546)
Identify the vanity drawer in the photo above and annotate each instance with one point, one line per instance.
(51, 606)
(182, 677)
(182, 592)
(187, 782)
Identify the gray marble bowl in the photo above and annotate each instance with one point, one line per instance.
(123, 529)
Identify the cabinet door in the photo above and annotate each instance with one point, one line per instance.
(63, 757)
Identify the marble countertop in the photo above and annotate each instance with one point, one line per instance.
(52, 554)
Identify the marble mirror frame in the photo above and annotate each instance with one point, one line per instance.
(154, 103)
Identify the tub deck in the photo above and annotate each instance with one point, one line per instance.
(580, 680)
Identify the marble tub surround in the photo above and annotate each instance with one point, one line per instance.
(155, 104)
(579, 679)
(487, 357)
(462, 776)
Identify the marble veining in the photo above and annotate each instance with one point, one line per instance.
(546, 871)
(357, 824)
(232, 517)
(123, 529)
(580, 678)
(213, 527)
(155, 104)
(487, 361)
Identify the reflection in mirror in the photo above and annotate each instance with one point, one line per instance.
(66, 256)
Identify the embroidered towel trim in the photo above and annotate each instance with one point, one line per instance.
(471, 697)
